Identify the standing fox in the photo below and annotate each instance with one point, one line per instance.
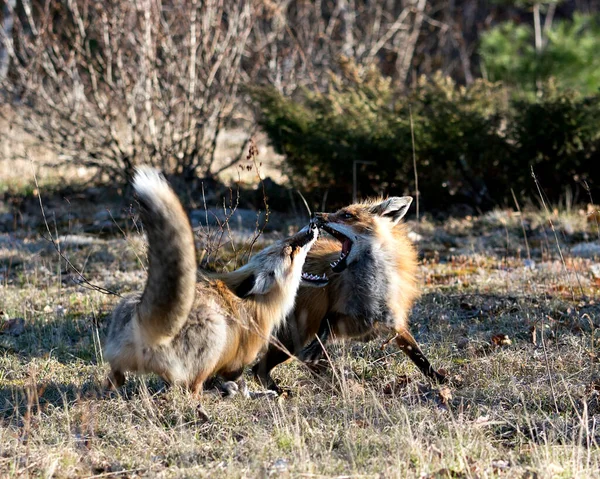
(186, 331)
(373, 286)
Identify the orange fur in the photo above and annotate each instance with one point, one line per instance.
(374, 288)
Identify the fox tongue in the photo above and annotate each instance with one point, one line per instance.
(346, 245)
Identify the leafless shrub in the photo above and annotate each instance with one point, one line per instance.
(300, 43)
(111, 84)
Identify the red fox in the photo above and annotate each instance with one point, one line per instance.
(184, 329)
(372, 286)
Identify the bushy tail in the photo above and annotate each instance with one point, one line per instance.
(170, 288)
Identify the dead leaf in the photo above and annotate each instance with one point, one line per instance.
(501, 340)
(388, 341)
(446, 474)
(500, 465)
(593, 213)
(445, 395)
(482, 420)
(533, 332)
(593, 388)
(396, 385)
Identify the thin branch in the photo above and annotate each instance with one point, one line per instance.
(50, 238)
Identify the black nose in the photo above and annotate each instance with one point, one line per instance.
(318, 219)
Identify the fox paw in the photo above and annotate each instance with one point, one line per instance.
(266, 393)
(312, 354)
(233, 388)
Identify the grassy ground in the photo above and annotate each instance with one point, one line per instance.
(512, 323)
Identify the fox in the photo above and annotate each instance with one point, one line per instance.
(372, 285)
(187, 327)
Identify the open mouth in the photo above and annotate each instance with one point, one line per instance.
(339, 264)
(314, 280)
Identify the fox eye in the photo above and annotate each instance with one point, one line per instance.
(347, 216)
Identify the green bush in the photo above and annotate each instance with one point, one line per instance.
(558, 135)
(321, 135)
(461, 149)
(472, 145)
(456, 132)
(570, 55)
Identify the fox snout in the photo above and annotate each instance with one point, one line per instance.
(321, 218)
(304, 236)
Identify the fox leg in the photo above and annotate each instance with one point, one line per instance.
(232, 383)
(198, 383)
(115, 379)
(313, 352)
(274, 356)
(407, 343)
(279, 350)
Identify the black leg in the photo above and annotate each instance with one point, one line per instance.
(407, 343)
(276, 354)
(313, 352)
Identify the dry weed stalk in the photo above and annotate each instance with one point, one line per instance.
(215, 239)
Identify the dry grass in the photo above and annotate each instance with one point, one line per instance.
(519, 338)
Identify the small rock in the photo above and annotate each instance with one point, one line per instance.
(76, 240)
(500, 465)
(280, 466)
(414, 237)
(7, 221)
(529, 264)
(103, 215)
(586, 250)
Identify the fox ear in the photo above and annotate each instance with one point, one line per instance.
(393, 208)
(255, 284)
(243, 289)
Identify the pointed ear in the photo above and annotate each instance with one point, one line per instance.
(260, 283)
(393, 208)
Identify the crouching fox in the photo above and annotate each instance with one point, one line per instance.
(184, 329)
(372, 286)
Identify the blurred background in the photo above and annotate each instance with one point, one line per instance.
(473, 104)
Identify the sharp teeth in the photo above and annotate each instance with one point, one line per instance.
(315, 277)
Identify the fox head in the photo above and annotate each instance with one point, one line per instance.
(359, 226)
(272, 276)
